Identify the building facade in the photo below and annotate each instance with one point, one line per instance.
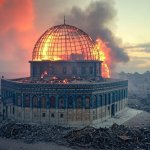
(65, 86)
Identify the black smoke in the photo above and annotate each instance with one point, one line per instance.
(97, 20)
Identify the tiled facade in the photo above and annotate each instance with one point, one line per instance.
(83, 69)
(64, 104)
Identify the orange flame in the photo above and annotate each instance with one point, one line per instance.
(65, 81)
(44, 74)
(103, 55)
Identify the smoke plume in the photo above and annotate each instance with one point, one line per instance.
(17, 33)
(22, 22)
(97, 20)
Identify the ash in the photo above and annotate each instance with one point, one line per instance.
(116, 137)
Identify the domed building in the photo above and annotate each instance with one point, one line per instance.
(65, 51)
(65, 86)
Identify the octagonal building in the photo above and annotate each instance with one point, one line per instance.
(65, 86)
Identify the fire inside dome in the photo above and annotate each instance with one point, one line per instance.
(64, 42)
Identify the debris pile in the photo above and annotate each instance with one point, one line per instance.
(116, 137)
(59, 80)
(31, 133)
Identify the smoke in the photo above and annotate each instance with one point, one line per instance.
(22, 22)
(17, 33)
(47, 11)
(97, 20)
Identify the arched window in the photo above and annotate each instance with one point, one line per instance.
(51, 70)
(113, 98)
(124, 94)
(35, 101)
(94, 101)
(105, 99)
(91, 70)
(83, 70)
(87, 102)
(19, 100)
(119, 95)
(27, 101)
(109, 98)
(64, 70)
(79, 102)
(101, 99)
(52, 102)
(70, 102)
(118, 98)
(74, 70)
(61, 102)
(43, 102)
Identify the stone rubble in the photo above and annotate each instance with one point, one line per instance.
(117, 137)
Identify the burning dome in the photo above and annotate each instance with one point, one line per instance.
(64, 42)
(72, 92)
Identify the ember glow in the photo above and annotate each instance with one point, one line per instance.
(44, 74)
(63, 42)
(103, 55)
(65, 81)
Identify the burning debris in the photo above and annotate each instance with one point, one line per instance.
(59, 80)
(116, 137)
(44, 74)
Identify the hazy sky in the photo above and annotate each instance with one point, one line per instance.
(22, 22)
(133, 26)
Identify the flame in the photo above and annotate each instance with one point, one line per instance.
(103, 55)
(66, 43)
(65, 81)
(59, 52)
(44, 74)
(54, 78)
(45, 50)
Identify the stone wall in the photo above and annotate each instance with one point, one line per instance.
(66, 105)
(90, 69)
(66, 117)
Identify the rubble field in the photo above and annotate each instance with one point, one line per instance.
(116, 137)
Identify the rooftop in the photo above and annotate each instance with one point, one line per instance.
(55, 80)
